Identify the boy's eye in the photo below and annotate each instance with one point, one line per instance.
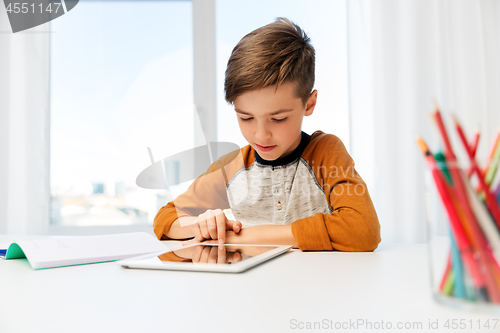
(275, 120)
(279, 120)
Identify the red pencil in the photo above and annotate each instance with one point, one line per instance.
(490, 200)
(448, 151)
(475, 142)
(463, 243)
(473, 146)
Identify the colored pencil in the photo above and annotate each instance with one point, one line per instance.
(473, 146)
(478, 241)
(480, 252)
(455, 175)
(474, 217)
(489, 161)
(457, 265)
(490, 290)
(493, 148)
(463, 243)
(475, 142)
(446, 273)
(494, 160)
(450, 281)
(485, 221)
(490, 200)
(495, 186)
(470, 292)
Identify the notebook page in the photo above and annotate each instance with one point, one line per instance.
(87, 249)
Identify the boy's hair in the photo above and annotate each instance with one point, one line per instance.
(271, 55)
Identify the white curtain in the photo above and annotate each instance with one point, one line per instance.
(24, 129)
(403, 55)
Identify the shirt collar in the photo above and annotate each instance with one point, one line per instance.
(304, 141)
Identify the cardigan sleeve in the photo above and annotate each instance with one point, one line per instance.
(353, 224)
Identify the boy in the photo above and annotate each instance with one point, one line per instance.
(285, 187)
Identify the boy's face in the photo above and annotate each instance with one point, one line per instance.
(271, 120)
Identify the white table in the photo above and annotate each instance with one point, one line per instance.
(282, 295)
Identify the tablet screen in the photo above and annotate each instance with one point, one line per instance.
(210, 254)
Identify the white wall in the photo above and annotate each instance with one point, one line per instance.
(4, 119)
(24, 105)
(402, 56)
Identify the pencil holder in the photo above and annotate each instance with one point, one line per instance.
(463, 238)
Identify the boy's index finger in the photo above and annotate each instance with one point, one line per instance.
(221, 227)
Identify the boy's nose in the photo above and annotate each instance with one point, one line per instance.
(263, 133)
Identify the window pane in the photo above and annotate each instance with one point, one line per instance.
(324, 21)
(120, 72)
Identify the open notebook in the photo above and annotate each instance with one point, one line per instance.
(68, 251)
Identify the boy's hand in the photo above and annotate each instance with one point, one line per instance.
(212, 225)
(214, 255)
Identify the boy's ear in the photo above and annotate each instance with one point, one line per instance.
(311, 103)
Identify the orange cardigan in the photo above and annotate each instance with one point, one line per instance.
(317, 187)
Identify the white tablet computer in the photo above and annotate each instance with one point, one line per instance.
(207, 257)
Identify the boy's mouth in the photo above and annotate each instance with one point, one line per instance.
(265, 148)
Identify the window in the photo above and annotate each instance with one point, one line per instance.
(122, 81)
(121, 73)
